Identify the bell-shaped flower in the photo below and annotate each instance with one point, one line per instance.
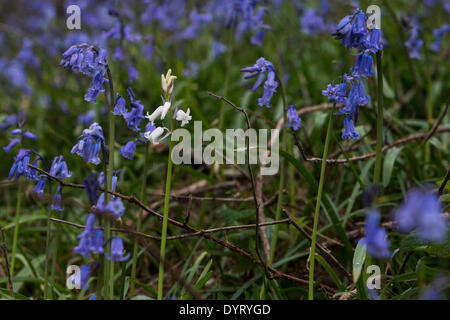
(184, 117)
(117, 251)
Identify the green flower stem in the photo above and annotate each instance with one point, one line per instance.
(16, 228)
(379, 146)
(47, 255)
(319, 199)
(165, 216)
(109, 265)
(139, 222)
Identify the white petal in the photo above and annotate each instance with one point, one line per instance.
(165, 109)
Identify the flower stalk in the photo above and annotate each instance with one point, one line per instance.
(379, 145)
(317, 209)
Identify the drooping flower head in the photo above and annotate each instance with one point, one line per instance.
(127, 151)
(20, 166)
(117, 251)
(89, 61)
(294, 120)
(59, 168)
(336, 93)
(260, 69)
(90, 143)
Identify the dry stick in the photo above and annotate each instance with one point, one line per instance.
(385, 148)
(223, 243)
(444, 182)
(5, 254)
(252, 179)
(435, 125)
(324, 250)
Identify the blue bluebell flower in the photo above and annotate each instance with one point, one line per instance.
(312, 22)
(91, 186)
(84, 276)
(422, 212)
(414, 42)
(96, 245)
(115, 208)
(374, 42)
(93, 297)
(348, 132)
(294, 120)
(337, 93)
(59, 168)
(376, 238)
(29, 135)
(363, 66)
(438, 33)
(117, 251)
(87, 118)
(435, 290)
(356, 97)
(12, 144)
(134, 117)
(127, 151)
(133, 74)
(260, 69)
(56, 202)
(119, 108)
(352, 30)
(8, 122)
(90, 144)
(38, 190)
(20, 165)
(96, 88)
(217, 49)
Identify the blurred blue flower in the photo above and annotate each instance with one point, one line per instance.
(294, 120)
(438, 33)
(115, 208)
(91, 186)
(376, 237)
(87, 118)
(8, 122)
(422, 212)
(56, 202)
(414, 42)
(127, 151)
(117, 251)
(38, 190)
(133, 74)
(12, 144)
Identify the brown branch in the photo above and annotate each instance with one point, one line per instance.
(435, 125)
(444, 183)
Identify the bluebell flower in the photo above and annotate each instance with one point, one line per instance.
(127, 151)
(134, 117)
(352, 30)
(93, 297)
(12, 144)
(117, 251)
(83, 247)
(96, 245)
(8, 122)
(356, 97)
(374, 43)
(90, 144)
(84, 276)
(119, 108)
(56, 202)
(20, 165)
(414, 42)
(38, 190)
(59, 168)
(217, 49)
(348, 132)
(376, 238)
(337, 93)
(422, 212)
(435, 290)
(133, 74)
(29, 135)
(96, 88)
(87, 118)
(312, 22)
(115, 208)
(294, 120)
(91, 186)
(363, 66)
(149, 128)
(270, 87)
(89, 61)
(438, 33)
(260, 69)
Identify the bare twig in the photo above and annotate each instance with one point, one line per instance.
(444, 182)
